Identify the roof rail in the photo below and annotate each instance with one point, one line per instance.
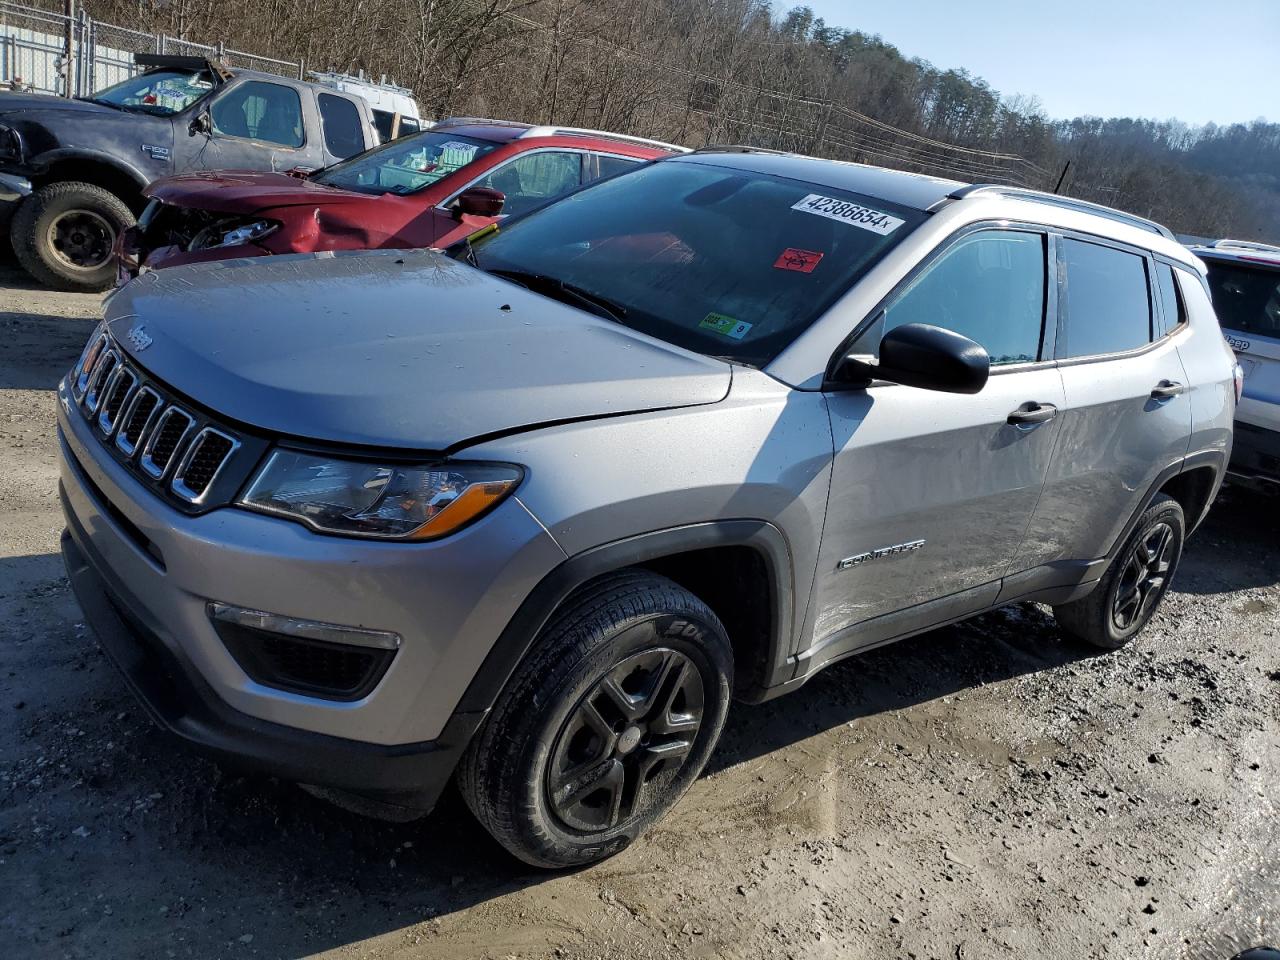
(553, 131)
(1244, 245)
(1057, 200)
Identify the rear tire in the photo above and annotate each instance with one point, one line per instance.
(1136, 581)
(604, 725)
(64, 235)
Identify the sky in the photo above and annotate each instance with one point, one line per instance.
(1197, 60)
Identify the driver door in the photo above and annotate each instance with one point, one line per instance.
(931, 493)
(257, 125)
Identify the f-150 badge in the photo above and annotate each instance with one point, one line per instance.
(860, 558)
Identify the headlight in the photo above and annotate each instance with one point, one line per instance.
(385, 501)
(231, 232)
(249, 231)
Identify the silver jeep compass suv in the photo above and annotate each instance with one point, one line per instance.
(533, 512)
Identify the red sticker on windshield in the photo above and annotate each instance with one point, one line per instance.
(802, 261)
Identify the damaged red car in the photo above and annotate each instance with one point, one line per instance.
(425, 190)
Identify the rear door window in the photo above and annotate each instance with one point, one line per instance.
(343, 131)
(1108, 300)
(989, 286)
(1246, 299)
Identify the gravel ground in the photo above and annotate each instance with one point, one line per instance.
(986, 790)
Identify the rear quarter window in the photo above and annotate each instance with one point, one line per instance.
(1108, 300)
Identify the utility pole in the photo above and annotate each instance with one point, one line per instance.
(68, 49)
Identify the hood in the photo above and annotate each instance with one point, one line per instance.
(45, 102)
(236, 191)
(392, 348)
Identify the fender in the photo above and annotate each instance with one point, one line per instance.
(42, 162)
(1216, 459)
(518, 636)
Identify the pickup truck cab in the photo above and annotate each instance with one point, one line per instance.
(74, 170)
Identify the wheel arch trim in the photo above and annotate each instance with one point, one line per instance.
(518, 636)
(1215, 460)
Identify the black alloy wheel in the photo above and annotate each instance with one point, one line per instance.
(627, 740)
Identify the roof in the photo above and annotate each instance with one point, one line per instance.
(932, 194)
(504, 131)
(897, 186)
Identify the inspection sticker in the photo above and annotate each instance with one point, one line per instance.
(801, 261)
(846, 211)
(725, 326)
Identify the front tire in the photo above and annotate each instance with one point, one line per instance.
(64, 235)
(1135, 583)
(604, 725)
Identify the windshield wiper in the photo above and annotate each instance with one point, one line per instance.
(540, 283)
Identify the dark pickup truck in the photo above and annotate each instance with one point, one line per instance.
(72, 171)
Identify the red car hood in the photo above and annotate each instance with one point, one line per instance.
(247, 191)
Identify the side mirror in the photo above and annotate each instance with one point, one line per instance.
(200, 123)
(924, 356)
(479, 202)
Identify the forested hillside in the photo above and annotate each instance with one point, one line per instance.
(715, 71)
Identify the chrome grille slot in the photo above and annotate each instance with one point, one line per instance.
(88, 359)
(200, 465)
(137, 417)
(99, 378)
(123, 382)
(176, 450)
(170, 430)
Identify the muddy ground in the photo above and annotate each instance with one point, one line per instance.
(987, 790)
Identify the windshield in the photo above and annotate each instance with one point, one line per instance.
(1246, 299)
(161, 92)
(405, 165)
(726, 262)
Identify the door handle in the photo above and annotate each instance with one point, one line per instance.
(1166, 389)
(1031, 413)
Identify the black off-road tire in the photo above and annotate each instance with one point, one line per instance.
(635, 630)
(1106, 618)
(106, 215)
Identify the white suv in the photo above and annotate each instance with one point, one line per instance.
(1244, 280)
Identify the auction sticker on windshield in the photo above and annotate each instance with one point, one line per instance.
(725, 326)
(846, 211)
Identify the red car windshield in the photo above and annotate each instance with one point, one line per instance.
(406, 165)
(726, 262)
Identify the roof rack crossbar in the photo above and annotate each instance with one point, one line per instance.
(739, 148)
(472, 121)
(554, 131)
(1069, 203)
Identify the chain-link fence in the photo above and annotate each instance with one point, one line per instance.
(47, 52)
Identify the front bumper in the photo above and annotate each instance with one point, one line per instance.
(406, 776)
(1255, 457)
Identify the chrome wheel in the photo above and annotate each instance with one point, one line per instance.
(626, 741)
(81, 239)
(1144, 576)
